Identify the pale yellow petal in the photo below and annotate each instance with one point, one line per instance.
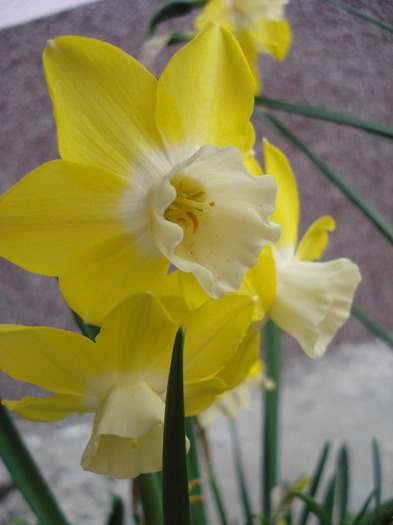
(205, 95)
(215, 11)
(53, 359)
(62, 216)
(199, 395)
(128, 432)
(104, 103)
(313, 300)
(314, 241)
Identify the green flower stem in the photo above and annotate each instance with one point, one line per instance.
(150, 494)
(368, 210)
(372, 326)
(325, 114)
(239, 467)
(197, 507)
(270, 431)
(26, 473)
(356, 12)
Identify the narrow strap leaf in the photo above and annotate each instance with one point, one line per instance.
(356, 12)
(342, 486)
(372, 326)
(314, 507)
(315, 481)
(358, 200)
(239, 467)
(377, 480)
(172, 10)
(212, 478)
(176, 503)
(270, 435)
(117, 514)
(325, 114)
(329, 499)
(197, 507)
(26, 474)
(363, 509)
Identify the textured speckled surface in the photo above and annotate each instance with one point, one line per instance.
(338, 61)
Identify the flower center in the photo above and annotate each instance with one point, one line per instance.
(186, 207)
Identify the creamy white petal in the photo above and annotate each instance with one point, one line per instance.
(127, 434)
(211, 217)
(313, 300)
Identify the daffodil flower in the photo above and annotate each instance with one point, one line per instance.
(259, 25)
(122, 376)
(152, 173)
(312, 299)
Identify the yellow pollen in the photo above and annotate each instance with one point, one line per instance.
(134, 443)
(184, 209)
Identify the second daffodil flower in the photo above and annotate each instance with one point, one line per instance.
(122, 377)
(152, 173)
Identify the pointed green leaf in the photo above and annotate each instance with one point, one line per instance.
(26, 474)
(363, 510)
(316, 478)
(342, 485)
(372, 326)
(329, 499)
(357, 199)
(314, 507)
(116, 516)
(172, 10)
(325, 114)
(377, 480)
(176, 503)
(361, 15)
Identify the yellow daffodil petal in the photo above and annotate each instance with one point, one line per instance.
(314, 241)
(260, 281)
(287, 203)
(53, 359)
(50, 408)
(96, 289)
(128, 433)
(215, 11)
(199, 395)
(63, 215)
(236, 369)
(104, 103)
(272, 36)
(247, 43)
(214, 333)
(143, 333)
(313, 300)
(205, 95)
(211, 217)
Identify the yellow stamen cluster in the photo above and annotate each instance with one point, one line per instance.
(183, 210)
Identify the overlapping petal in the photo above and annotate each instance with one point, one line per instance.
(50, 358)
(51, 408)
(271, 36)
(113, 95)
(205, 95)
(63, 215)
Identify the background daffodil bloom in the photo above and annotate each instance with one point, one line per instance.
(259, 25)
(152, 173)
(312, 299)
(122, 377)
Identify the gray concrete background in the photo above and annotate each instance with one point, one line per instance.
(337, 60)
